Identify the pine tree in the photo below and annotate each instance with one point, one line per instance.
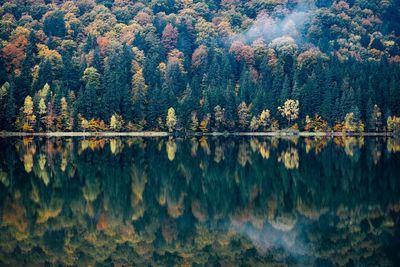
(139, 94)
(327, 107)
(194, 122)
(347, 99)
(45, 76)
(116, 76)
(10, 115)
(219, 117)
(155, 105)
(285, 92)
(89, 100)
(374, 122)
(244, 116)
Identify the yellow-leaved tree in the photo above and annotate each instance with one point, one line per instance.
(264, 119)
(171, 119)
(290, 110)
(29, 117)
(116, 122)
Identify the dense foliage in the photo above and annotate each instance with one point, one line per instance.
(199, 65)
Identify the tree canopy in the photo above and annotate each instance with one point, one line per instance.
(205, 58)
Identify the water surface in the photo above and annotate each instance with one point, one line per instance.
(200, 201)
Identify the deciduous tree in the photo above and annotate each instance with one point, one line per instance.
(290, 110)
(29, 118)
(171, 119)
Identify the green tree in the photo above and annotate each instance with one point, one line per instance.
(375, 119)
(90, 105)
(54, 24)
(139, 93)
(66, 115)
(244, 116)
(194, 122)
(254, 124)
(219, 114)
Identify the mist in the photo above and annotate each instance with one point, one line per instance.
(270, 238)
(268, 28)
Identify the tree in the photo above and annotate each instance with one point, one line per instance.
(393, 124)
(90, 104)
(116, 122)
(51, 114)
(115, 82)
(4, 91)
(14, 53)
(264, 119)
(171, 120)
(65, 117)
(315, 125)
(169, 37)
(83, 123)
(54, 24)
(199, 57)
(42, 112)
(375, 119)
(204, 124)
(352, 124)
(194, 122)
(290, 110)
(29, 118)
(139, 93)
(219, 114)
(254, 124)
(243, 115)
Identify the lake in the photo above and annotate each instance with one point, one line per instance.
(213, 201)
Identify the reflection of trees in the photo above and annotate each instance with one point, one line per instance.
(14, 213)
(244, 154)
(132, 204)
(171, 149)
(393, 145)
(317, 144)
(290, 158)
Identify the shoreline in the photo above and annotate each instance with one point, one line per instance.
(164, 134)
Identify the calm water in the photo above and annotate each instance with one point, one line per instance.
(200, 201)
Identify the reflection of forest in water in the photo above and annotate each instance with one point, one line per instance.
(227, 201)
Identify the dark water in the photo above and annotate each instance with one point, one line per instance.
(200, 201)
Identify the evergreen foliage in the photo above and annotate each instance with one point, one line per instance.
(206, 58)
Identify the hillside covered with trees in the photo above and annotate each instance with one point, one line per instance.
(199, 65)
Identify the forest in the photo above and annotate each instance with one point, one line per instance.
(200, 65)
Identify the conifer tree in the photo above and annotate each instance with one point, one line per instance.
(244, 116)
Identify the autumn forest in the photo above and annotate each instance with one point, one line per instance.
(199, 65)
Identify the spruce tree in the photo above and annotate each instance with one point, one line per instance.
(10, 115)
